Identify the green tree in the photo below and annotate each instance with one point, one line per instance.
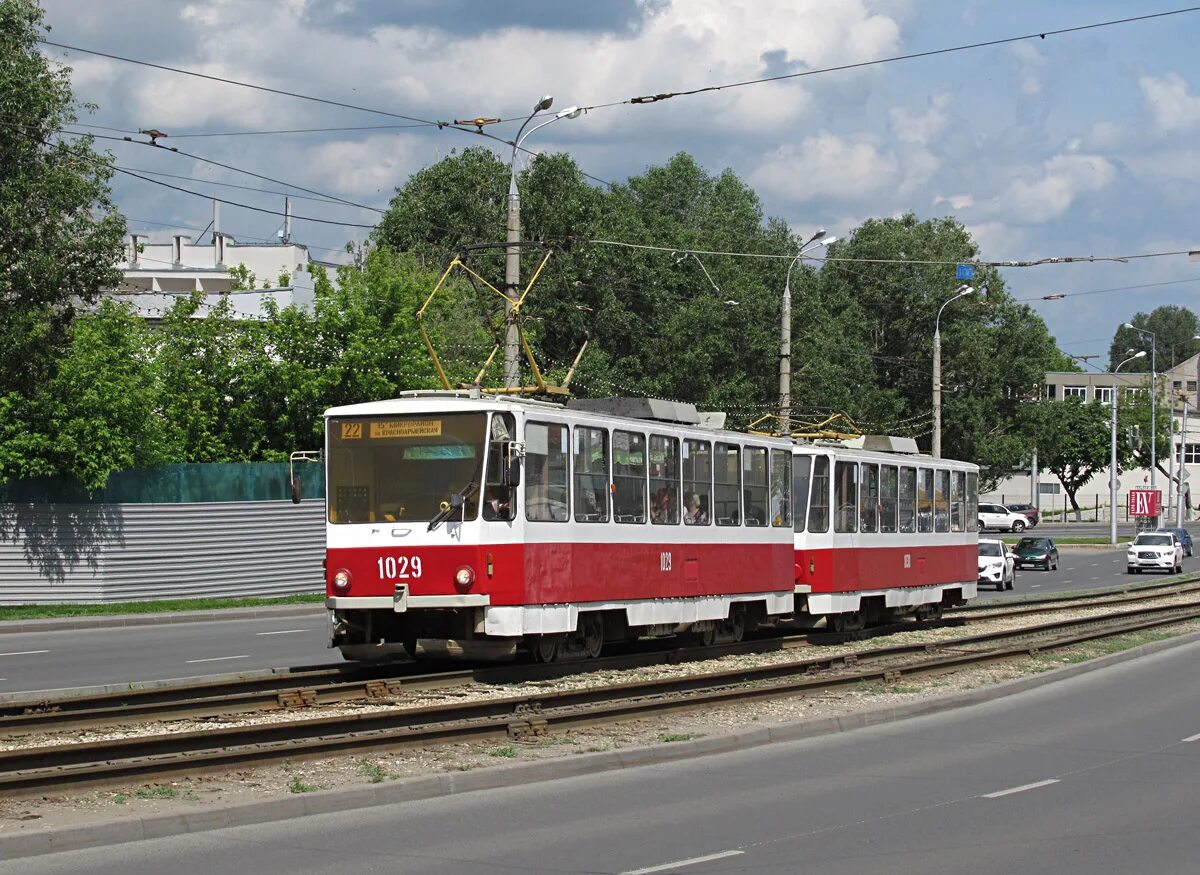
(60, 238)
(1074, 440)
(1174, 329)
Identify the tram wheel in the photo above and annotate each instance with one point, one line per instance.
(547, 648)
(591, 633)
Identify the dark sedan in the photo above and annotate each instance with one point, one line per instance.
(1030, 512)
(1036, 553)
(1184, 537)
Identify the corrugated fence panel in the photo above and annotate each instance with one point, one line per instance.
(132, 552)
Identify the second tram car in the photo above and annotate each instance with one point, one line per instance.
(476, 526)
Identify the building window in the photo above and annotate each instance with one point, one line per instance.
(1191, 385)
(1079, 392)
(1191, 453)
(1176, 385)
(1104, 394)
(1051, 391)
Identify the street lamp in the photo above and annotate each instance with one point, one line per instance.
(962, 292)
(1153, 401)
(1112, 460)
(785, 332)
(512, 254)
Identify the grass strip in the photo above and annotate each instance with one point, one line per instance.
(45, 612)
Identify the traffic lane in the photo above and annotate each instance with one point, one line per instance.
(1055, 778)
(1077, 570)
(79, 658)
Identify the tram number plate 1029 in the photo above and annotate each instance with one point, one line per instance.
(664, 561)
(399, 567)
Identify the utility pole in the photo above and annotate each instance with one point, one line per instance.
(287, 220)
(1182, 464)
(512, 285)
(937, 371)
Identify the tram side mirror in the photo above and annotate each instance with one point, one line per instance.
(513, 474)
(457, 501)
(296, 496)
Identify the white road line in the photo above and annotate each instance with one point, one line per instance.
(219, 658)
(1020, 789)
(1093, 578)
(1095, 565)
(663, 867)
(282, 632)
(24, 652)
(1195, 737)
(1036, 586)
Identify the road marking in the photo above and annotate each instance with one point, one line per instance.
(1095, 565)
(219, 658)
(1036, 586)
(282, 632)
(1093, 578)
(1020, 789)
(678, 864)
(24, 652)
(1195, 737)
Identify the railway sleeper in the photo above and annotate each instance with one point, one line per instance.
(297, 698)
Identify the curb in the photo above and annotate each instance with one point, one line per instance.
(452, 783)
(117, 621)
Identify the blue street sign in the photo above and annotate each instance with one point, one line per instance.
(965, 272)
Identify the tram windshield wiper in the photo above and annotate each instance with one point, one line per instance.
(457, 501)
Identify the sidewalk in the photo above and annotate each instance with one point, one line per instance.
(114, 621)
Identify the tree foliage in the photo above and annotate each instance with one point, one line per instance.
(1174, 330)
(60, 239)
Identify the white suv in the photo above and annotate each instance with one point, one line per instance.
(1156, 551)
(997, 516)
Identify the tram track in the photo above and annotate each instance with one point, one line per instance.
(301, 688)
(147, 757)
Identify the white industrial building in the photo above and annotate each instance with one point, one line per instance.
(1178, 382)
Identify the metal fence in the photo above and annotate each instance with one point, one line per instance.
(97, 553)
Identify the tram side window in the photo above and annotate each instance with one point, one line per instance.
(908, 500)
(754, 475)
(664, 480)
(591, 475)
(888, 483)
(546, 472)
(924, 500)
(868, 499)
(845, 496)
(801, 472)
(818, 507)
(697, 483)
(781, 488)
(958, 506)
(727, 487)
(629, 477)
(941, 513)
(499, 498)
(972, 498)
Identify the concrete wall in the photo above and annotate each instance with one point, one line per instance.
(55, 553)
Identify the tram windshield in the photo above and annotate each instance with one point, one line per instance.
(401, 468)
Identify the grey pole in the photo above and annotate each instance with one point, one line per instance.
(1034, 490)
(785, 357)
(512, 282)
(937, 371)
(1182, 464)
(1112, 459)
(937, 392)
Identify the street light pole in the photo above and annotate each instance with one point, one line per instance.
(785, 333)
(1112, 459)
(1182, 464)
(1153, 402)
(512, 253)
(963, 291)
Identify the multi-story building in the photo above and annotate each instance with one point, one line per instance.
(1178, 382)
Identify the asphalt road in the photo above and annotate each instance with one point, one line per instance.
(58, 660)
(61, 660)
(1095, 774)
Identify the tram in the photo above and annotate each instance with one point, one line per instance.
(477, 526)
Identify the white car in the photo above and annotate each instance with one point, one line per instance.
(1154, 551)
(997, 516)
(996, 565)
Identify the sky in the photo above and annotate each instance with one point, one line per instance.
(1073, 145)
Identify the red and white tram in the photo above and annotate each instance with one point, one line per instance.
(472, 526)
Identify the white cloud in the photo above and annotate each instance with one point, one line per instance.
(955, 201)
(826, 166)
(1031, 67)
(367, 168)
(997, 240)
(1049, 194)
(1173, 106)
(912, 127)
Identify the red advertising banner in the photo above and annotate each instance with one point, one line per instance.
(1145, 502)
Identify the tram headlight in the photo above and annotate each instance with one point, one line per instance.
(464, 578)
(341, 581)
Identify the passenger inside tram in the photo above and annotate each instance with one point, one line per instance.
(695, 515)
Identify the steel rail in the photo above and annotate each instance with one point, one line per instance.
(321, 685)
(90, 763)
